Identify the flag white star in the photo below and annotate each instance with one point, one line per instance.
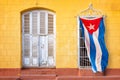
(91, 27)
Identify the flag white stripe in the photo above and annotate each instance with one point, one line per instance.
(98, 50)
(87, 41)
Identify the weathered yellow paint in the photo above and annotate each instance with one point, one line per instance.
(66, 30)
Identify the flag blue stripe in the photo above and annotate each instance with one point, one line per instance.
(92, 53)
(104, 59)
(82, 31)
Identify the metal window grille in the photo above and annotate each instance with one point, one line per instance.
(83, 58)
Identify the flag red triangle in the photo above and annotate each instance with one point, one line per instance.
(91, 24)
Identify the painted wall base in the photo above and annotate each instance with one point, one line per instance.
(57, 74)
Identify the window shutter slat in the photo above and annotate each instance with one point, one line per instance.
(42, 23)
(34, 22)
(26, 24)
(50, 24)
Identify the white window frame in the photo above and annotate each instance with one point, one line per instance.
(30, 29)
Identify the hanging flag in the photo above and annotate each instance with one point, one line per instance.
(93, 32)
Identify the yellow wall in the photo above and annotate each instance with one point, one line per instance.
(66, 29)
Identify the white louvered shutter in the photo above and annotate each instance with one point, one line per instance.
(50, 24)
(42, 23)
(34, 22)
(26, 40)
(51, 61)
(35, 39)
(26, 25)
(38, 39)
(26, 50)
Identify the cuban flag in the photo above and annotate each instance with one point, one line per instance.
(93, 31)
